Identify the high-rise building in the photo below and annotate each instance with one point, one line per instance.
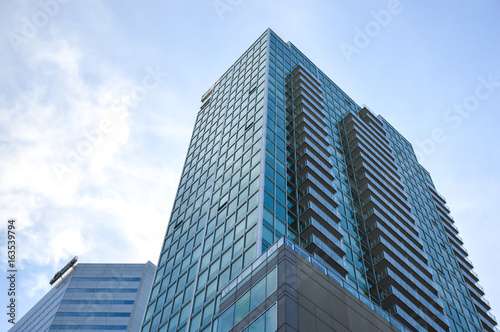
(93, 297)
(299, 210)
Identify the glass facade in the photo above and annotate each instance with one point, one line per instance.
(248, 302)
(93, 297)
(278, 149)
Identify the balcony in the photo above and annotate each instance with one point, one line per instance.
(436, 194)
(363, 133)
(322, 194)
(353, 118)
(308, 169)
(375, 208)
(314, 245)
(368, 187)
(411, 284)
(312, 210)
(389, 186)
(487, 323)
(306, 110)
(330, 228)
(360, 155)
(308, 80)
(465, 262)
(302, 99)
(368, 117)
(402, 316)
(383, 260)
(358, 127)
(375, 155)
(484, 307)
(449, 227)
(311, 146)
(306, 160)
(324, 236)
(447, 218)
(461, 251)
(302, 89)
(363, 144)
(312, 196)
(442, 209)
(371, 199)
(309, 180)
(304, 132)
(469, 274)
(437, 321)
(378, 228)
(380, 243)
(305, 124)
(366, 168)
(300, 72)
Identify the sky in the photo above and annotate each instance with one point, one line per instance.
(98, 100)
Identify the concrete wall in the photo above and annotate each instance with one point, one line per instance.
(308, 300)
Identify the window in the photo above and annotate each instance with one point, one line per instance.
(248, 302)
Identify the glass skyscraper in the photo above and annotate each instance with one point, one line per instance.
(93, 297)
(291, 191)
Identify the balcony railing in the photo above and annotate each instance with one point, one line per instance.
(442, 320)
(419, 287)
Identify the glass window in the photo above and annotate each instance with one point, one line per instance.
(238, 246)
(184, 314)
(258, 293)
(271, 282)
(242, 307)
(195, 323)
(267, 235)
(258, 325)
(226, 258)
(211, 288)
(251, 236)
(269, 172)
(226, 320)
(239, 228)
(250, 255)
(236, 267)
(269, 185)
(268, 201)
(173, 322)
(207, 313)
(198, 302)
(223, 278)
(177, 302)
(252, 201)
(202, 279)
(228, 240)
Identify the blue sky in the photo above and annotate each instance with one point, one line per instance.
(98, 101)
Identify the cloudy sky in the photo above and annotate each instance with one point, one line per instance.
(98, 100)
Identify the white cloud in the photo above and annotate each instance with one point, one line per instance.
(111, 202)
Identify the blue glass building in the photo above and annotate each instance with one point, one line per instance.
(93, 297)
(284, 174)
